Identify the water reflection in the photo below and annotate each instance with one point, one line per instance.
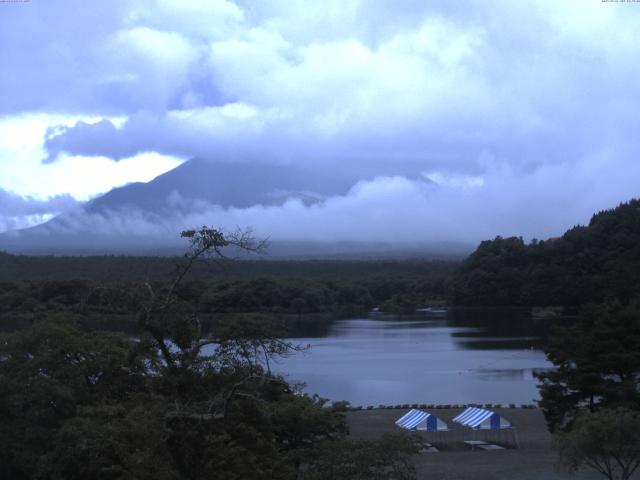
(501, 343)
(482, 356)
(511, 374)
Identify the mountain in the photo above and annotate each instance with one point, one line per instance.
(237, 185)
(130, 219)
(587, 264)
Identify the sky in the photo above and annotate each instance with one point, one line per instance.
(471, 119)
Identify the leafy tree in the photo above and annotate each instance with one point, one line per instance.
(172, 404)
(385, 459)
(401, 304)
(51, 374)
(607, 441)
(597, 364)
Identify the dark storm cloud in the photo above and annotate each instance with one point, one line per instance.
(87, 139)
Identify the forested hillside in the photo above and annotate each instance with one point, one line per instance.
(587, 264)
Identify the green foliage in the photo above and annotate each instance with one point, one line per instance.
(110, 442)
(298, 294)
(607, 441)
(48, 376)
(82, 404)
(587, 264)
(174, 403)
(597, 364)
(385, 459)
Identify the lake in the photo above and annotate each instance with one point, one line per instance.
(461, 356)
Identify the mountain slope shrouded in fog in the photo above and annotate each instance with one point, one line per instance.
(147, 217)
(121, 218)
(225, 184)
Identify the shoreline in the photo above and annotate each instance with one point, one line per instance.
(449, 406)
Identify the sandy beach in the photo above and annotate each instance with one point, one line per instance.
(530, 456)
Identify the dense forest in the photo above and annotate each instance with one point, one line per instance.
(105, 291)
(587, 264)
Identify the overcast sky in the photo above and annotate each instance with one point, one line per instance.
(512, 118)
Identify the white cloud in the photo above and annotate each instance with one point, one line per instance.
(205, 19)
(21, 170)
(509, 107)
(155, 64)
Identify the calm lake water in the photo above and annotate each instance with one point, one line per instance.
(463, 356)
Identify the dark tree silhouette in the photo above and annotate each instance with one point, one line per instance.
(597, 364)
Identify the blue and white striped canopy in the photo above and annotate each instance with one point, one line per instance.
(480, 418)
(420, 420)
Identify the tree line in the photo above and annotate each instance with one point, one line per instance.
(587, 264)
(300, 294)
